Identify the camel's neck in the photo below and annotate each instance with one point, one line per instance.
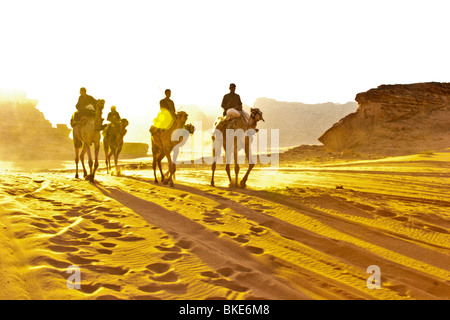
(98, 113)
(252, 123)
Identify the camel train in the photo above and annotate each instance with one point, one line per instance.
(87, 132)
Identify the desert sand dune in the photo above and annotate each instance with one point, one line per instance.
(297, 232)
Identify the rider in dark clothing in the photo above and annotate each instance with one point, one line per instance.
(83, 101)
(231, 100)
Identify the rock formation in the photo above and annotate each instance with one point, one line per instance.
(25, 134)
(394, 120)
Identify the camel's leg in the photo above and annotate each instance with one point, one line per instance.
(77, 158)
(227, 165)
(83, 151)
(171, 167)
(161, 157)
(154, 168)
(227, 169)
(213, 166)
(161, 170)
(106, 149)
(250, 165)
(236, 165)
(117, 158)
(90, 162)
(96, 164)
(116, 161)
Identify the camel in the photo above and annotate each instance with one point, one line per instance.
(86, 133)
(113, 142)
(245, 124)
(162, 146)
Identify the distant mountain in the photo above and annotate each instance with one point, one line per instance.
(300, 123)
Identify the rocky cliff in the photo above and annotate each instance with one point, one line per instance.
(25, 134)
(394, 120)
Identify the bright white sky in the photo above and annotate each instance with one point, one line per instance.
(303, 51)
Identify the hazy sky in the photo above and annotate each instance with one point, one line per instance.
(302, 51)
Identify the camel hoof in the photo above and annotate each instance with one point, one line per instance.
(76, 176)
(212, 184)
(243, 184)
(231, 185)
(156, 181)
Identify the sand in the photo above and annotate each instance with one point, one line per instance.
(300, 231)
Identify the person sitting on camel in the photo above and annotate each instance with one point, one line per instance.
(231, 100)
(232, 108)
(85, 107)
(114, 118)
(167, 114)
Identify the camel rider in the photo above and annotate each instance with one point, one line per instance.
(167, 113)
(84, 100)
(232, 107)
(113, 115)
(231, 100)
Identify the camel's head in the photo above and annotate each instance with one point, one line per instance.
(124, 125)
(125, 122)
(190, 128)
(182, 116)
(256, 114)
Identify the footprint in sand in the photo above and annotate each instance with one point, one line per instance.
(73, 213)
(231, 234)
(254, 250)
(104, 251)
(77, 260)
(176, 288)
(185, 244)
(90, 288)
(159, 267)
(108, 244)
(385, 213)
(111, 286)
(402, 219)
(436, 229)
(116, 271)
(58, 248)
(168, 277)
(258, 230)
(210, 274)
(60, 218)
(241, 239)
(100, 221)
(110, 234)
(171, 256)
(226, 272)
(232, 285)
(60, 241)
(238, 238)
(171, 249)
